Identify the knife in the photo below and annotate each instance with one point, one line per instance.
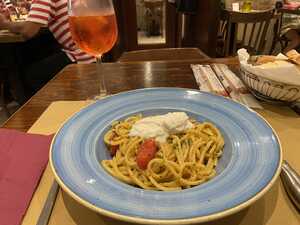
(48, 206)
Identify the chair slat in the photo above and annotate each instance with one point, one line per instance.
(261, 45)
(244, 34)
(235, 37)
(252, 33)
(258, 37)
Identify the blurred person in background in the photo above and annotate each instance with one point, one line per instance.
(5, 7)
(291, 28)
(42, 60)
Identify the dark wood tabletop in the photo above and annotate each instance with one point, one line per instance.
(163, 53)
(7, 37)
(80, 82)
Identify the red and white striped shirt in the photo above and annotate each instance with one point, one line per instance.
(54, 14)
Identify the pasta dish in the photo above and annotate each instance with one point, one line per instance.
(184, 158)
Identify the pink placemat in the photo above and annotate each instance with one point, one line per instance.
(23, 158)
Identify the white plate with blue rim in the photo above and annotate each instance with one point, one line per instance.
(249, 166)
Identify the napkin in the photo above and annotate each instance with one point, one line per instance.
(23, 158)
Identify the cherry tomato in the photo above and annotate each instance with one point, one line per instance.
(114, 149)
(145, 153)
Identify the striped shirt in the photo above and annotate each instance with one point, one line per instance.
(54, 14)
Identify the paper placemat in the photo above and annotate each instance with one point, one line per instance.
(49, 123)
(273, 209)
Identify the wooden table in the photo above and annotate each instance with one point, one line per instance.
(289, 11)
(161, 54)
(72, 83)
(12, 60)
(8, 37)
(9, 60)
(79, 82)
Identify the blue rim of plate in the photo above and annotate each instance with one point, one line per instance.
(251, 164)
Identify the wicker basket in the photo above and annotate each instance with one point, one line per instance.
(271, 89)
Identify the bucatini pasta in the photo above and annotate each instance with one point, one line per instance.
(184, 160)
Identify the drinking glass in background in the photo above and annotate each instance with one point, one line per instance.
(93, 27)
(247, 6)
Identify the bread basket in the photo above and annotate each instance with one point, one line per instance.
(279, 83)
(270, 89)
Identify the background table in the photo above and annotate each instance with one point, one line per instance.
(289, 11)
(9, 60)
(8, 37)
(16, 53)
(79, 82)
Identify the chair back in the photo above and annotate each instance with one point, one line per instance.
(246, 30)
(163, 54)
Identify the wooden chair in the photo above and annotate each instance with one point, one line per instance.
(163, 54)
(221, 37)
(252, 36)
(276, 33)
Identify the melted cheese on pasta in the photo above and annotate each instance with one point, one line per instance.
(162, 126)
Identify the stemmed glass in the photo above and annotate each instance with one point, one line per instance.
(93, 27)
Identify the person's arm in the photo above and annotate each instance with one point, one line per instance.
(27, 29)
(38, 16)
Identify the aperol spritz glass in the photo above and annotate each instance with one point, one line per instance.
(93, 27)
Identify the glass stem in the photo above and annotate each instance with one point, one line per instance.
(100, 74)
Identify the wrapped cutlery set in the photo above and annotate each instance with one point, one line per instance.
(220, 80)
